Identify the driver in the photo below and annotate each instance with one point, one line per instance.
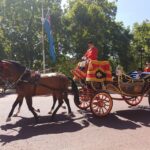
(91, 54)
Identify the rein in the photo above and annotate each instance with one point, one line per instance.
(19, 79)
(35, 83)
(13, 84)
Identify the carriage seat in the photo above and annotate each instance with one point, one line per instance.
(99, 71)
(96, 71)
(133, 88)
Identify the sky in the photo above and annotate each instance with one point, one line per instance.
(131, 11)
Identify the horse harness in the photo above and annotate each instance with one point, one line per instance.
(27, 76)
(33, 78)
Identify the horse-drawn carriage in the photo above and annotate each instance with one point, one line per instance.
(97, 85)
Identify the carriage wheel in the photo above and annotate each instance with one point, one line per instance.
(133, 101)
(101, 104)
(85, 97)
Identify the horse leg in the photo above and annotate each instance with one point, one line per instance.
(59, 105)
(20, 104)
(70, 113)
(29, 104)
(19, 98)
(54, 103)
(37, 110)
(19, 108)
(67, 102)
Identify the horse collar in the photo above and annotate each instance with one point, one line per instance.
(20, 78)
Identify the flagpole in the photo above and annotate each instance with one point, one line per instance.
(43, 46)
(4, 4)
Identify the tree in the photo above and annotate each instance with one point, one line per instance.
(95, 20)
(73, 27)
(21, 27)
(86, 20)
(120, 40)
(141, 41)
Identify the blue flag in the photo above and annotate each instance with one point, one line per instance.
(48, 30)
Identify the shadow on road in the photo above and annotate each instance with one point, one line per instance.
(124, 119)
(28, 129)
(139, 114)
(131, 119)
(112, 121)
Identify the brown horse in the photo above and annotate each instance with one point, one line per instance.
(27, 86)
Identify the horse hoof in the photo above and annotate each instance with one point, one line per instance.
(71, 115)
(15, 115)
(38, 110)
(8, 119)
(64, 107)
(50, 112)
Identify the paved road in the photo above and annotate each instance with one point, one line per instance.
(124, 129)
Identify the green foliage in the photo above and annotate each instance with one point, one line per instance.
(141, 41)
(65, 65)
(79, 22)
(85, 20)
(21, 26)
(95, 20)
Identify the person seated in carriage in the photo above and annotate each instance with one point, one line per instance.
(147, 67)
(90, 68)
(82, 66)
(136, 74)
(91, 54)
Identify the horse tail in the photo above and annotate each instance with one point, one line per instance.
(75, 91)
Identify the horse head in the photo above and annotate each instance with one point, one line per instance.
(11, 70)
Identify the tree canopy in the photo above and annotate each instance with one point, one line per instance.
(72, 26)
(141, 41)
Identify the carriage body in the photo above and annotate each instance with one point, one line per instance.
(98, 86)
(96, 71)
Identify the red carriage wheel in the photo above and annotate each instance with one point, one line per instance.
(85, 96)
(101, 104)
(133, 101)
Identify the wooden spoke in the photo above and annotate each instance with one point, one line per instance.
(85, 97)
(133, 101)
(101, 104)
